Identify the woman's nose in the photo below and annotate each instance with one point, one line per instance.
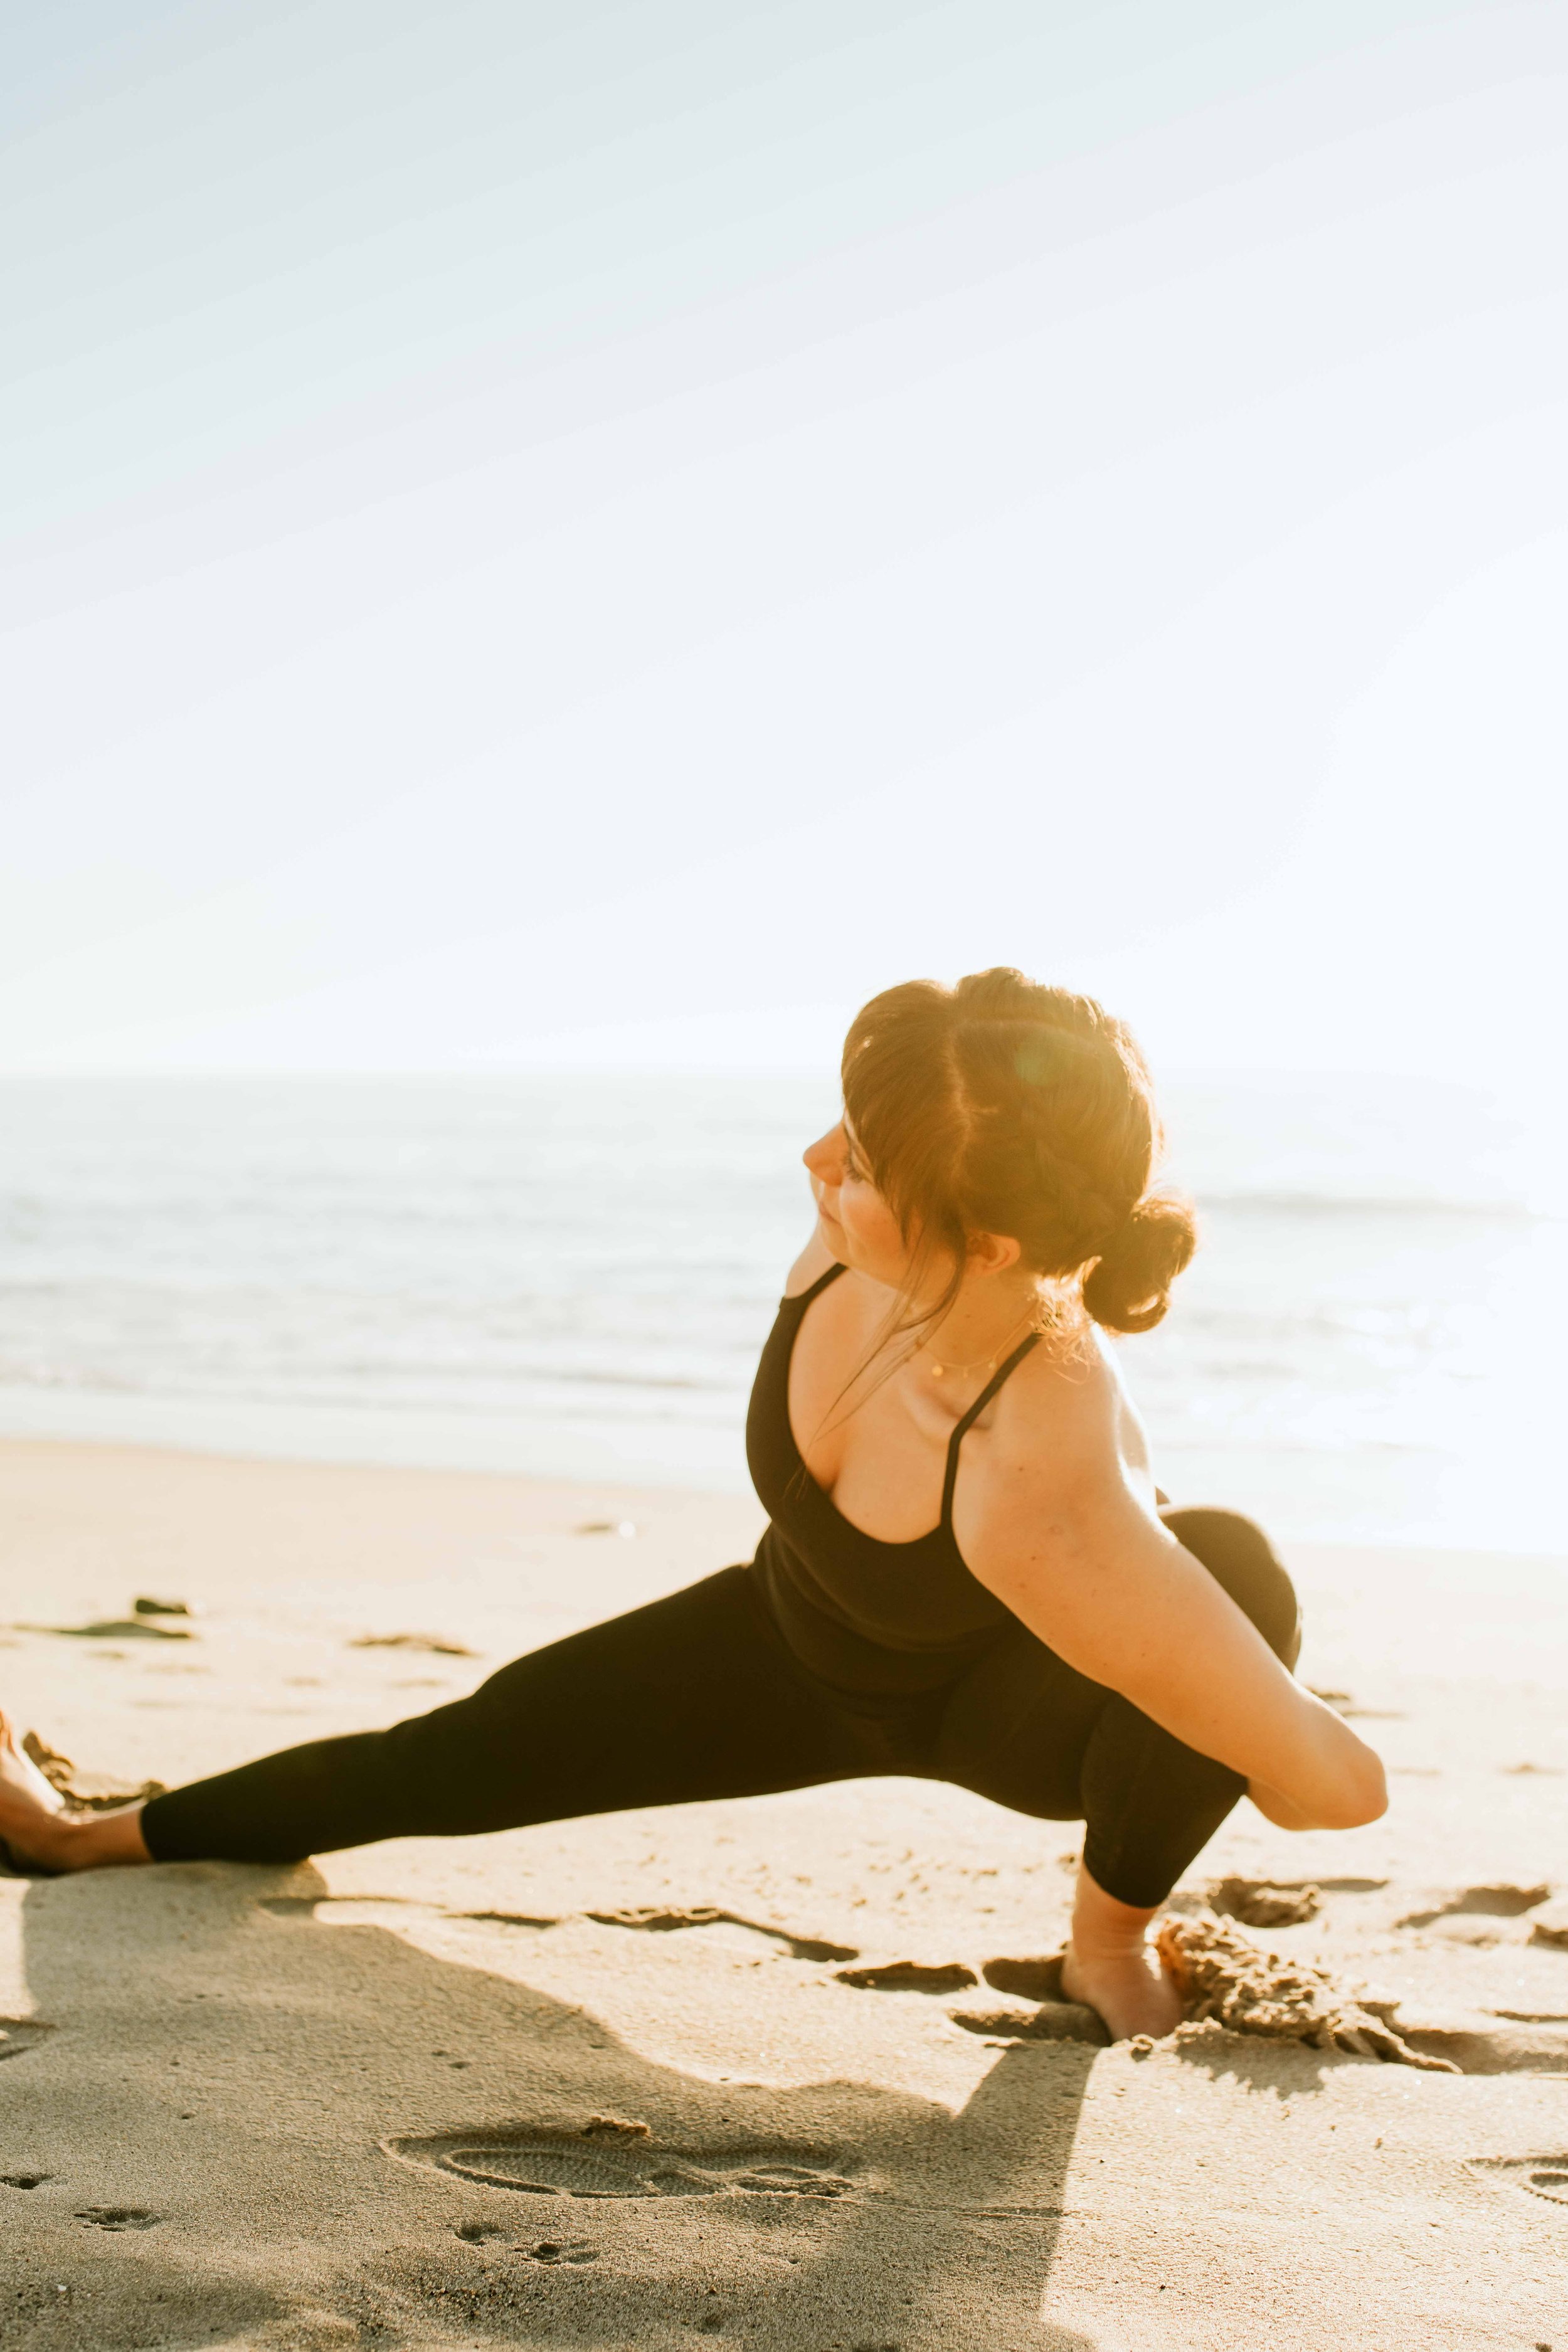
(825, 1156)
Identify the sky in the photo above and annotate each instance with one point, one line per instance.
(598, 537)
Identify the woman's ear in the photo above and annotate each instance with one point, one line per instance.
(993, 1252)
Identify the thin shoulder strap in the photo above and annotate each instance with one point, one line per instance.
(804, 1297)
(973, 1415)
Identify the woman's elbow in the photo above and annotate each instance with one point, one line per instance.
(1361, 1797)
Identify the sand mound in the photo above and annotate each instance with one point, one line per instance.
(90, 1793)
(1224, 1975)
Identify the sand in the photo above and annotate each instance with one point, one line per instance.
(782, 2072)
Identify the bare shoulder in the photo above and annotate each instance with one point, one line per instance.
(1066, 1425)
(1073, 1378)
(809, 1267)
(1063, 1477)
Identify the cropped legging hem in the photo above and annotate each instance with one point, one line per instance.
(697, 1697)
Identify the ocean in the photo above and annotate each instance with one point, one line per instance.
(571, 1277)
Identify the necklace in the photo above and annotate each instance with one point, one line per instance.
(981, 1363)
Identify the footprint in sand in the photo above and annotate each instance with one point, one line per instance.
(665, 1919)
(630, 2165)
(505, 1919)
(1054, 2020)
(909, 1976)
(1537, 2176)
(1037, 1977)
(1549, 1926)
(113, 1629)
(1265, 1902)
(727, 1929)
(118, 2216)
(23, 2180)
(1516, 2045)
(437, 1644)
(548, 2250)
(1502, 1902)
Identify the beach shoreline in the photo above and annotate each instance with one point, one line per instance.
(275, 2068)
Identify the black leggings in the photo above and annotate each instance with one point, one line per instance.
(697, 1697)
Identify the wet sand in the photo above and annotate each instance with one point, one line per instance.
(774, 2072)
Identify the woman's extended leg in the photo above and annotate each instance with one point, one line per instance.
(1024, 1729)
(691, 1697)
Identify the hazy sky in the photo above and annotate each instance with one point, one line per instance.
(586, 534)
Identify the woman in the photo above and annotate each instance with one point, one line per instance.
(968, 1574)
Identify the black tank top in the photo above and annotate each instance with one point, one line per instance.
(874, 1619)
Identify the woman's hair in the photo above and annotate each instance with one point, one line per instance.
(1001, 1107)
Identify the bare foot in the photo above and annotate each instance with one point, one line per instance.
(39, 1830)
(1129, 1988)
(1110, 1966)
(30, 1807)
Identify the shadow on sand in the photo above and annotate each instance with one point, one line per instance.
(326, 2137)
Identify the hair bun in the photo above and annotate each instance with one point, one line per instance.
(1130, 1287)
(1000, 1106)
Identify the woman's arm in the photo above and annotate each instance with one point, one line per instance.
(1280, 1810)
(1077, 1557)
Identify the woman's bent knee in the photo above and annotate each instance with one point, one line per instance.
(1240, 1555)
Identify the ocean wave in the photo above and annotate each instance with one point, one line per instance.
(1319, 1205)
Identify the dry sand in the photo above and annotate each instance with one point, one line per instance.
(601, 2084)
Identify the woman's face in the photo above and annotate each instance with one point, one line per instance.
(862, 1232)
(852, 1216)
